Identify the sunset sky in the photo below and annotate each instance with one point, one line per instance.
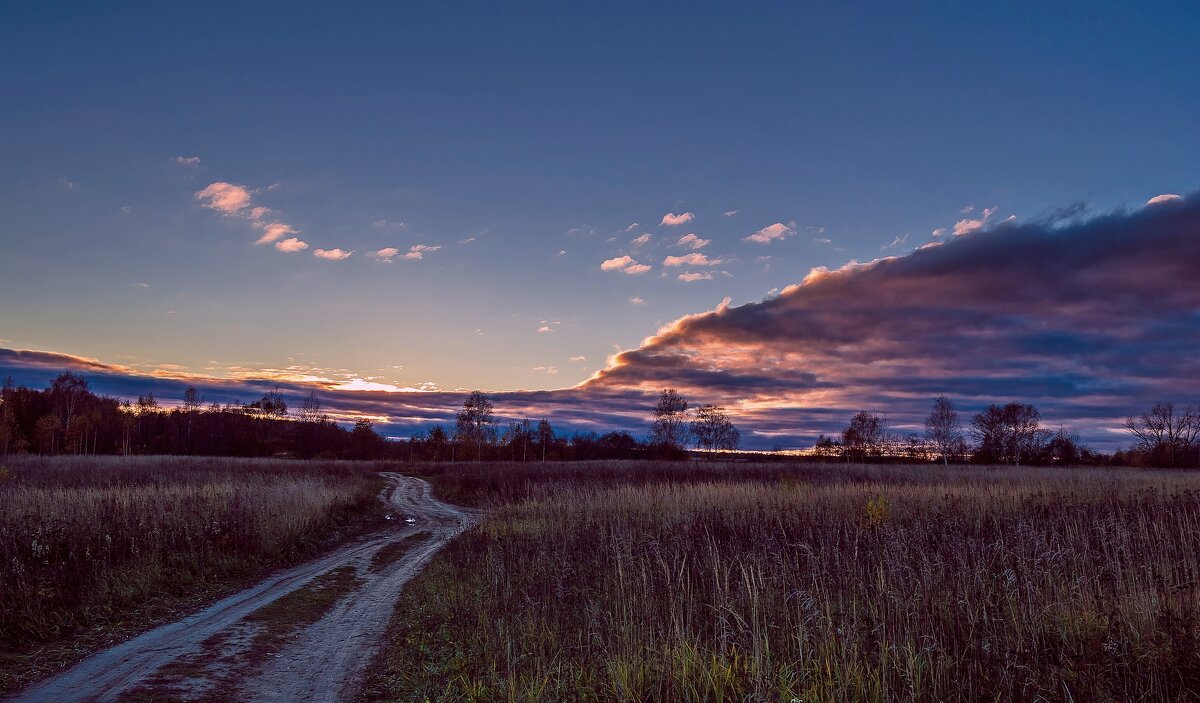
(393, 203)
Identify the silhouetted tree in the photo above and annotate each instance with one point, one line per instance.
(310, 409)
(1008, 434)
(713, 429)
(475, 422)
(545, 434)
(864, 436)
(438, 439)
(1166, 434)
(943, 428)
(8, 417)
(367, 442)
(669, 427)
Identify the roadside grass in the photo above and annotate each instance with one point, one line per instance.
(96, 549)
(392, 552)
(806, 583)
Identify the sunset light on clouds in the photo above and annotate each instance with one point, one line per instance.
(432, 207)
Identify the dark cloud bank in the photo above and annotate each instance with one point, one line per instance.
(1089, 320)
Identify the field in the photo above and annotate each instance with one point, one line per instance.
(94, 549)
(735, 582)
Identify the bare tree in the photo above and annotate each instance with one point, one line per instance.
(669, 428)
(545, 435)
(8, 416)
(943, 427)
(310, 409)
(713, 429)
(865, 435)
(66, 391)
(1009, 433)
(1166, 433)
(475, 423)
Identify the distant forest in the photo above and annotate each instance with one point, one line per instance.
(68, 418)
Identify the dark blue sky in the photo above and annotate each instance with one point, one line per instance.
(518, 143)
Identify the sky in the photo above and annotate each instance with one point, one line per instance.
(570, 207)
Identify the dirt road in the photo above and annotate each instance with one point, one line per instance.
(211, 655)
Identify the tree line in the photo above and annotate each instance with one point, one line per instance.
(1165, 435)
(68, 418)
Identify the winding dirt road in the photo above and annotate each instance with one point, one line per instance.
(204, 656)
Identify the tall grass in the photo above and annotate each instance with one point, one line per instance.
(812, 584)
(88, 541)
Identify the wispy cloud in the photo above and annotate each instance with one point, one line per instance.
(642, 240)
(187, 160)
(636, 300)
(691, 241)
(548, 370)
(332, 254)
(772, 232)
(672, 220)
(693, 259)
(693, 276)
(632, 227)
(730, 213)
(418, 251)
(272, 231)
(967, 226)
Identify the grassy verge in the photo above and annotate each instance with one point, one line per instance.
(95, 550)
(935, 584)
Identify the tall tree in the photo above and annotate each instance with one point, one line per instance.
(545, 435)
(865, 435)
(310, 409)
(66, 392)
(1167, 434)
(438, 439)
(8, 417)
(1008, 434)
(943, 428)
(669, 426)
(475, 422)
(713, 429)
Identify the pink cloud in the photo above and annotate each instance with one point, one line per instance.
(644, 239)
(624, 264)
(671, 219)
(273, 231)
(291, 244)
(693, 276)
(418, 251)
(693, 259)
(968, 226)
(224, 197)
(770, 233)
(692, 242)
(1164, 198)
(332, 254)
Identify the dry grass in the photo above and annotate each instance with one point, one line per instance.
(809, 583)
(93, 549)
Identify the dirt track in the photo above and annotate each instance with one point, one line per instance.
(322, 663)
